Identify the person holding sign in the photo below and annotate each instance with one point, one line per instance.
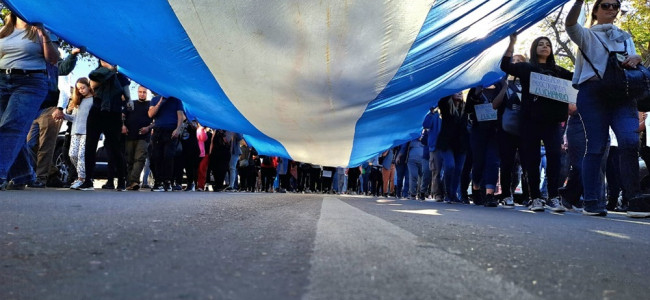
(452, 144)
(483, 140)
(600, 110)
(543, 118)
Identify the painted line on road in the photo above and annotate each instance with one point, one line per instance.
(612, 234)
(358, 255)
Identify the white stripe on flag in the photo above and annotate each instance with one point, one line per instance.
(303, 72)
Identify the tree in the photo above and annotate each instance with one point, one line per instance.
(554, 24)
(636, 21)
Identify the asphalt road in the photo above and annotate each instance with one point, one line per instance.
(60, 244)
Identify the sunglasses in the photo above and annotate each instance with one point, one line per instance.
(607, 6)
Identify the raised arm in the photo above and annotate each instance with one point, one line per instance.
(498, 100)
(511, 46)
(574, 13)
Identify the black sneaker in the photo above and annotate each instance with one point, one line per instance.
(15, 186)
(167, 187)
(54, 182)
(639, 207)
(37, 184)
(121, 187)
(87, 186)
(108, 186)
(157, 188)
(477, 197)
(490, 201)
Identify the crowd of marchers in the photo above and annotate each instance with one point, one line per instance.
(476, 146)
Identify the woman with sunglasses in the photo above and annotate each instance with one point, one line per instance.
(600, 110)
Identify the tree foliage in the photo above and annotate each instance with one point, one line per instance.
(635, 19)
(637, 22)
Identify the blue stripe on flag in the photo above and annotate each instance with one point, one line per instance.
(150, 45)
(443, 60)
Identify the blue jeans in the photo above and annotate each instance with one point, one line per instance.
(598, 116)
(232, 171)
(418, 167)
(452, 165)
(402, 178)
(575, 134)
(20, 99)
(485, 156)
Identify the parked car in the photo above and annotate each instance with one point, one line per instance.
(66, 171)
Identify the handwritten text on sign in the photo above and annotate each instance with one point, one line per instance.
(552, 87)
(485, 112)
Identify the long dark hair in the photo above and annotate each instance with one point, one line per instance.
(534, 60)
(595, 9)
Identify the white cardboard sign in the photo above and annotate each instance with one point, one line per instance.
(552, 87)
(485, 112)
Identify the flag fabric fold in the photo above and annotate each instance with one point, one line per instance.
(327, 82)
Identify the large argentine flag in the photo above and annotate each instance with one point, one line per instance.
(331, 82)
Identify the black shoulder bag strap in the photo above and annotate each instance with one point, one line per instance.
(606, 49)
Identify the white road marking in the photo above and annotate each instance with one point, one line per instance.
(357, 255)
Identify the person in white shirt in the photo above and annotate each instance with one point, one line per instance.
(601, 109)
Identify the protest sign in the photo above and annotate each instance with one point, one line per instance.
(552, 87)
(485, 112)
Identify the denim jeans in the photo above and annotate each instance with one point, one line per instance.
(232, 171)
(418, 167)
(452, 165)
(485, 156)
(402, 178)
(577, 144)
(20, 99)
(598, 116)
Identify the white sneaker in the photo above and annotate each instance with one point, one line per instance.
(508, 202)
(76, 184)
(537, 205)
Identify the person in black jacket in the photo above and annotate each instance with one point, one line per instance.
(483, 141)
(542, 121)
(105, 117)
(452, 143)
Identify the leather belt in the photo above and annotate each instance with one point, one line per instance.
(21, 71)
